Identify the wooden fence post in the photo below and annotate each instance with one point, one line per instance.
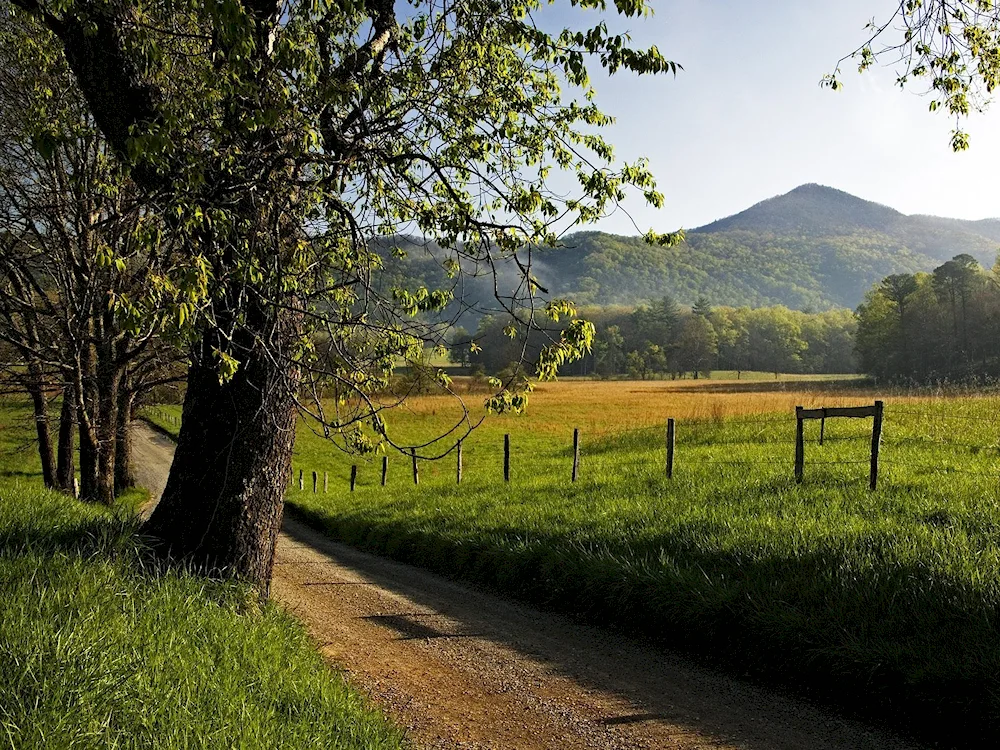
(385, 469)
(576, 452)
(822, 429)
(354, 476)
(413, 457)
(302, 480)
(315, 482)
(326, 482)
(800, 448)
(506, 457)
(458, 463)
(671, 438)
(876, 444)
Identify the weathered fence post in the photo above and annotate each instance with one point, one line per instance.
(385, 469)
(822, 429)
(315, 482)
(800, 448)
(413, 457)
(876, 444)
(302, 480)
(576, 452)
(326, 482)
(506, 457)
(458, 463)
(354, 476)
(671, 438)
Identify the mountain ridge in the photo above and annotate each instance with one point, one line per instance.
(849, 210)
(814, 247)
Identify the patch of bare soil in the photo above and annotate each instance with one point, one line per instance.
(460, 668)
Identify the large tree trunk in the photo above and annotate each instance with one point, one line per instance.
(66, 468)
(40, 407)
(124, 475)
(223, 501)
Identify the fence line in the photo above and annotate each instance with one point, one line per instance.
(684, 435)
(933, 415)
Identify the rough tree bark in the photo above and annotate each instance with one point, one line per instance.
(88, 456)
(224, 497)
(86, 408)
(40, 407)
(109, 376)
(124, 475)
(66, 465)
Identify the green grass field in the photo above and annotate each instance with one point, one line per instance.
(887, 600)
(100, 649)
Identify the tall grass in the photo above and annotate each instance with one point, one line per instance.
(887, 600)
(101, 648)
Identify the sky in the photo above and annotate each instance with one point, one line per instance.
(746, 119)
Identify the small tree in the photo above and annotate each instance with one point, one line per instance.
(697, 345)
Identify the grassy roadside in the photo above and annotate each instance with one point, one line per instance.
(888, 602)
(99, 648)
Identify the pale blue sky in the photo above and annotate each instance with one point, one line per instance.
(747, 119)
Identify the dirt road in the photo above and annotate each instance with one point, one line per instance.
(463, 669)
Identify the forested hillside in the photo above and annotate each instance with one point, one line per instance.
(812, 248)
(737, 267)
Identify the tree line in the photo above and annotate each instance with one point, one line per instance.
(63, 206)
(665, 340)
(923, 327)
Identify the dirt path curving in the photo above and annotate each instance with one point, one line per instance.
(460, 668)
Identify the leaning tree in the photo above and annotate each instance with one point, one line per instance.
(275, 140)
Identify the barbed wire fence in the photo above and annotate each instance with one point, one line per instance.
(916, 438)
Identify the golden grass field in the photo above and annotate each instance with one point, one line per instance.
(601, 407)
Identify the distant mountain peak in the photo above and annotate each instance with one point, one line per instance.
(809, 209)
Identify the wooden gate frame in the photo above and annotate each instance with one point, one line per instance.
(856, 412)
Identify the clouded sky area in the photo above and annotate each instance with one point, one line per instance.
(747, 120)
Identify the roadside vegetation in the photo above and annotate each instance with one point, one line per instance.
(100, 647)
(887, 601)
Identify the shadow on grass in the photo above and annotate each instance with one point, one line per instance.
(20, 473)
(84, 538)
